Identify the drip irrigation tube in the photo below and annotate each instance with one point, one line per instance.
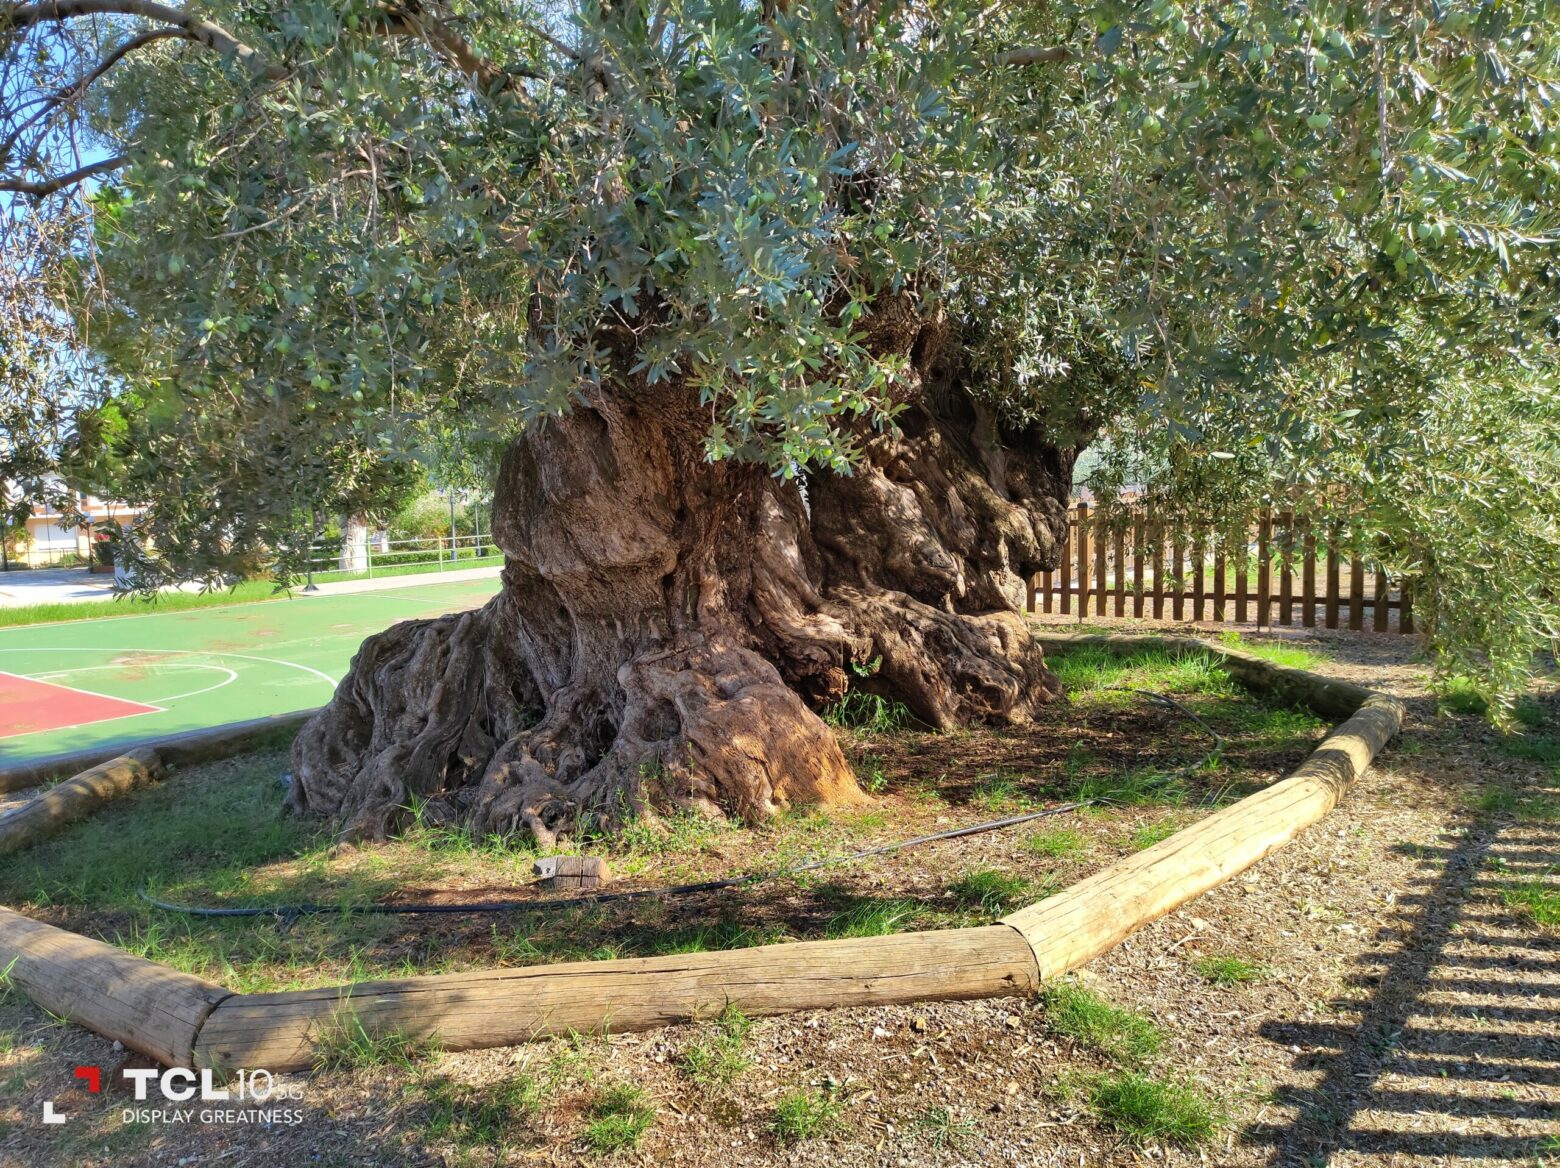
(287, 914)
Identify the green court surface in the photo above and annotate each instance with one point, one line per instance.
(91, 683)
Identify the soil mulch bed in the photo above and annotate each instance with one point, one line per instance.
(1407, 1016)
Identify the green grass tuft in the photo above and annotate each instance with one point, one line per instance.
(1091, 1021)
(620, 1116)
(945, 1128)
(804, 1114)
(991, 890)
(1459, 695)
(1538, 899)
(1058, 843)
(345, 1044)
(1229, 970)
(1148, 834)
(486, 1116)
(1145, 1110)
(717, 1057)
(859, 710)
(1531, 748)
(873, 918)
(1279, 654)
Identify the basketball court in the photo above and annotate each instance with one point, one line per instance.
(76, 685)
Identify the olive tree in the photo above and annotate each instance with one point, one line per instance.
(784, 325)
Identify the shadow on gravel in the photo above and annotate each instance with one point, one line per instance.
(1452, 1067)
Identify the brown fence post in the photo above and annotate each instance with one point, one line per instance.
(1308, 579)
(1218, 578)
(1101, 544)
(1286, 573)
(1264, 570)
(1356, 592)
(1242, 568)
(1199, 553)
(1121, 570)
(1083, 560)
(1045, 591)
(1178, 576)
(1064, 573)
(1332, 577)
(1405, 608)
(1137, 566)
(1378, 605)
(1159, 571)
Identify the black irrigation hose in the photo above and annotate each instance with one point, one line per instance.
(289, 913)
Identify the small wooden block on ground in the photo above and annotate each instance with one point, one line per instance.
(573, 873)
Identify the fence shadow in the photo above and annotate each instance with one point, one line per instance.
(1443, 1055)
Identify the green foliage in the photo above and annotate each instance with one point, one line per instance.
(1091, 1021)
(1145, 1109)
(490, 1115)
(1148, 834)
(716, 1057)
(804, 1114)
(1271, 253)
(1227, 969)
(1057, 843)
(344, 1042)
(946, 1128)
(620, 1115)
(859, 710)
(873, 918)
(991, 890)
(1537, 899)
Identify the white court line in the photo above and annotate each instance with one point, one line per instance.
(325, 677)
(228, 680)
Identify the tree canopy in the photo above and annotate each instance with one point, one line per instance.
(1255, 251)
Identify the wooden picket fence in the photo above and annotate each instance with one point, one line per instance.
(1284, 571)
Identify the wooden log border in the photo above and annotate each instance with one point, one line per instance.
(183, 1020)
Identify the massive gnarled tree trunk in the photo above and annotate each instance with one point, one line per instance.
(668, 626)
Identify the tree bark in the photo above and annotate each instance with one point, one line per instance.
(668, 627)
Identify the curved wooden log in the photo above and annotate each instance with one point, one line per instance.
(1077, 925)
(78, 797)
(501, 1007)
(180, 1019)
(150, 1008)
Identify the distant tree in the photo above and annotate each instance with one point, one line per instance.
(790, 320)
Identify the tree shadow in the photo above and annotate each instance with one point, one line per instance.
(1458, 1020)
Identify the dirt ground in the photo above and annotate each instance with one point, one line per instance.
(1409, 1018)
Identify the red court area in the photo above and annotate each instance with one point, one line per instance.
(28, 706)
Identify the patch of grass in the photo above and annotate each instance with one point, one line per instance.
(490, 1115)
(1531, 748)
(1145, 1109)
(991, 890)
(1504, 799)
(247, 592)
(1090, 669)
(945, 1128)
(1458, 695)
(1226, 969)
(873, 918)
(1538, 899)
(1279, 654)
(717, 1058)
(804, 1114)
(1091, 1021)
(869, 773)
(620, 1116)
(1528, 712)
(859, 710)
(1147, 835)
(1058, 843)
(1000, 791)
(346, 1044)
(1132, 788)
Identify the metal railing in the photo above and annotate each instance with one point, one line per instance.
(342, 558)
